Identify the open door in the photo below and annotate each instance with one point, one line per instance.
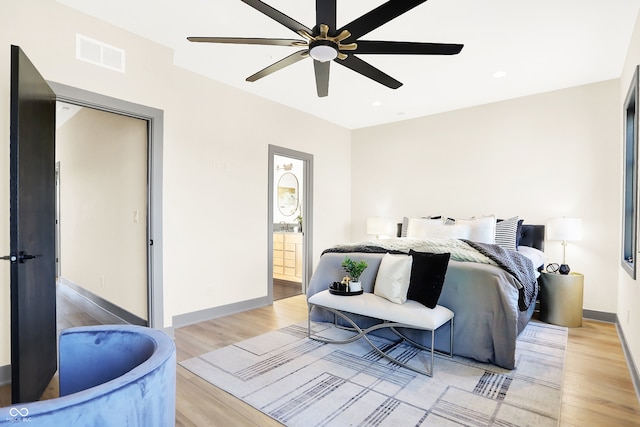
(32, 231)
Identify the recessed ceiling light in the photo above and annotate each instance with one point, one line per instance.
(499, 74)
(376, 103)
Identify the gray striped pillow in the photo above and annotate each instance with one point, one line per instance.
(405, 227)
(506, 232)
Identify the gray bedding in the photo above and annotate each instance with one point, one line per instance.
(517, 265)
(483, 297)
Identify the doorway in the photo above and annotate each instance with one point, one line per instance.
(153, 119)
(290, 219)
(101, 215)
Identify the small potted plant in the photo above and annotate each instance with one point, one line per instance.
(355, 270)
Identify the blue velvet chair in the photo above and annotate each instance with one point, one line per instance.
(110, 375)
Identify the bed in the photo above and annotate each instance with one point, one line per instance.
(486, 298)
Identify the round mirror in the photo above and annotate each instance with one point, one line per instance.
(288, 194)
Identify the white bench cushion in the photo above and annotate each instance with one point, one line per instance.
(410, 313)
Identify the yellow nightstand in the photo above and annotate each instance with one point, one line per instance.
(561, 299)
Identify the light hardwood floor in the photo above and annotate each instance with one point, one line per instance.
(598, 390)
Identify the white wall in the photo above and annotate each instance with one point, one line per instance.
(215, 218)
(629, 289)
(542, 156)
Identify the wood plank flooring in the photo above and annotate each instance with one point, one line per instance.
(598, 390)
(285, 289)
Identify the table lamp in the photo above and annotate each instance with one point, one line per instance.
(565, 229)
(380, 227)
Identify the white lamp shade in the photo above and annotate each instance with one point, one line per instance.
(564, 229)
(379, 226)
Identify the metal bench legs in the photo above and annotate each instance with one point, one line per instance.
(362, 333)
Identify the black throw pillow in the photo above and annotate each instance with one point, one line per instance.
(427, 277)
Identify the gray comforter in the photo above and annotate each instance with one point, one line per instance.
(515, 264)
(484, 298)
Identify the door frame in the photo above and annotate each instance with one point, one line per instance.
(155, 123)
(307, 208)
(58, 268)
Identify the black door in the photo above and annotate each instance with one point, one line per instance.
(32, 231)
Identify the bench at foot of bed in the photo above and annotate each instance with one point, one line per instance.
(411, 315)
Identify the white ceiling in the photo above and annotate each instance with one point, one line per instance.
(542, 46)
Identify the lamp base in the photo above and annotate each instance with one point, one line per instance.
(564, 269)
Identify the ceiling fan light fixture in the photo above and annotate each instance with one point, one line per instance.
(325, 44)
(323, 50)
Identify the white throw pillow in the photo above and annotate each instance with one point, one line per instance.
(481, 230)
(425, 228)
(392, 281)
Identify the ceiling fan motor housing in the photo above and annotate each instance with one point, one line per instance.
(323, 50)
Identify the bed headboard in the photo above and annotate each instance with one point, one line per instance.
(530, 235)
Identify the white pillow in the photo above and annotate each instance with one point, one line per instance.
(420, 228)
(405, 223)
(482, 230)
(536, 256)
(392, 281)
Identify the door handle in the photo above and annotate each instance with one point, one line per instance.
(22, 257)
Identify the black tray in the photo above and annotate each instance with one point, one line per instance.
(346, 294)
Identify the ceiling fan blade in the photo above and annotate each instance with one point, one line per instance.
(276, 66)
(378, 16)
(359, 66)
(278, 16)
(322, 77)
(406, 48)
(326, 13)
(244, 40)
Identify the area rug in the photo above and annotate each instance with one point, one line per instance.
(300, 382)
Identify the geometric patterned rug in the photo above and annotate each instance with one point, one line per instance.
(301, 382)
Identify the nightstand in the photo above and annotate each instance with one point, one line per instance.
(561, 299)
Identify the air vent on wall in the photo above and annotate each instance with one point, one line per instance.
(99, 53)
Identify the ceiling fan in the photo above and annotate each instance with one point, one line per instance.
(325, 42)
